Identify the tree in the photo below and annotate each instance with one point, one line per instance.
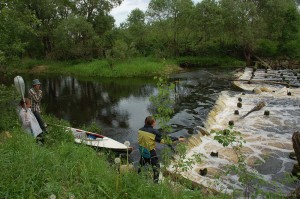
(75, 38)
(91, 8)
(172, 17)
(208, 26)
(282, 21)
(137, 33)
(16, 25)
(243, 25)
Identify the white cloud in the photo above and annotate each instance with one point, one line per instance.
(121, 12)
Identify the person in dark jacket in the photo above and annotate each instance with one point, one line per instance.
(147, 138)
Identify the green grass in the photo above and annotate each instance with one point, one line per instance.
(130, 68)
(134, 67)
(62, 168)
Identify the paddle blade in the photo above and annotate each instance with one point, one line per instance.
(19, 84)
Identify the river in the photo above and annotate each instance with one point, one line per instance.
(119, 105)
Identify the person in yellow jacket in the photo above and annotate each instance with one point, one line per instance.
(147, 138)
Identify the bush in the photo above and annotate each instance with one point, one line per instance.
(267, 48)
(209, 61)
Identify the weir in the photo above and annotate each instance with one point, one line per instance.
(268, 137)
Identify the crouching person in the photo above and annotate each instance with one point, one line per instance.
(29, 121)
(147, 138)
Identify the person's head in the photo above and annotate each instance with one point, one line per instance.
(27, 103)
(150, 121)
(36, 84)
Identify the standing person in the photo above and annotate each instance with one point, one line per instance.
(35, 94)
(147, 138)
(29, 121)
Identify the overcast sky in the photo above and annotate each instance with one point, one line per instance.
(121, 12)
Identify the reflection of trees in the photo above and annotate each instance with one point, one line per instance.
(83, 101)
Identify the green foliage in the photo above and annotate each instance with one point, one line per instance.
(8, 106)
(75, 38)
(163, 102)
(16, 25)
(140, 66)
(228, 137)
(183, 164)
(267, 48)
(209, 61)
(69, 30)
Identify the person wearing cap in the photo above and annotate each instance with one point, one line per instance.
(35, 95)
(147, 138)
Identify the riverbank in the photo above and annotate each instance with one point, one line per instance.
(62, 169)
(134, 67)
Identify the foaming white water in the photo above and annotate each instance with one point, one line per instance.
(268, 138)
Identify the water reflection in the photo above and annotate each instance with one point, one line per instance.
(119, 105)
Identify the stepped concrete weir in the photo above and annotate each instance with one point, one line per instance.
(268, 138)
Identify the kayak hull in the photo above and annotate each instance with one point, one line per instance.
(98, 141)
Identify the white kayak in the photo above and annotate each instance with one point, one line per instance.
(98, 141)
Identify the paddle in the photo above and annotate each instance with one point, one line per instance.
(20, 86)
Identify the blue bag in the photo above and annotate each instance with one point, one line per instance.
(145, 153)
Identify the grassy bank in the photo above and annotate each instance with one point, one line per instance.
(64, 169)
(135, 67)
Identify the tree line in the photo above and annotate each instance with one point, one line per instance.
(85, 30)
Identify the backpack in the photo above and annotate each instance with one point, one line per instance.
(145, 153)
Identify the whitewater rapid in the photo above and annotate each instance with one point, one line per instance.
(268, 137)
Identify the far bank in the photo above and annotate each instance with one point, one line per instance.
(134, 67)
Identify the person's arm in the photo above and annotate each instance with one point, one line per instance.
(159, 138)
(36, 95)
(25, 118)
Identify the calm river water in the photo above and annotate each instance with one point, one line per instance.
(119, 105)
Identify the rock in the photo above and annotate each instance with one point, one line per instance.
(267, 112)
(214, 154)
(203, 172)
(296, 171)
(296, 144)
(292, 156)
(239, 104)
